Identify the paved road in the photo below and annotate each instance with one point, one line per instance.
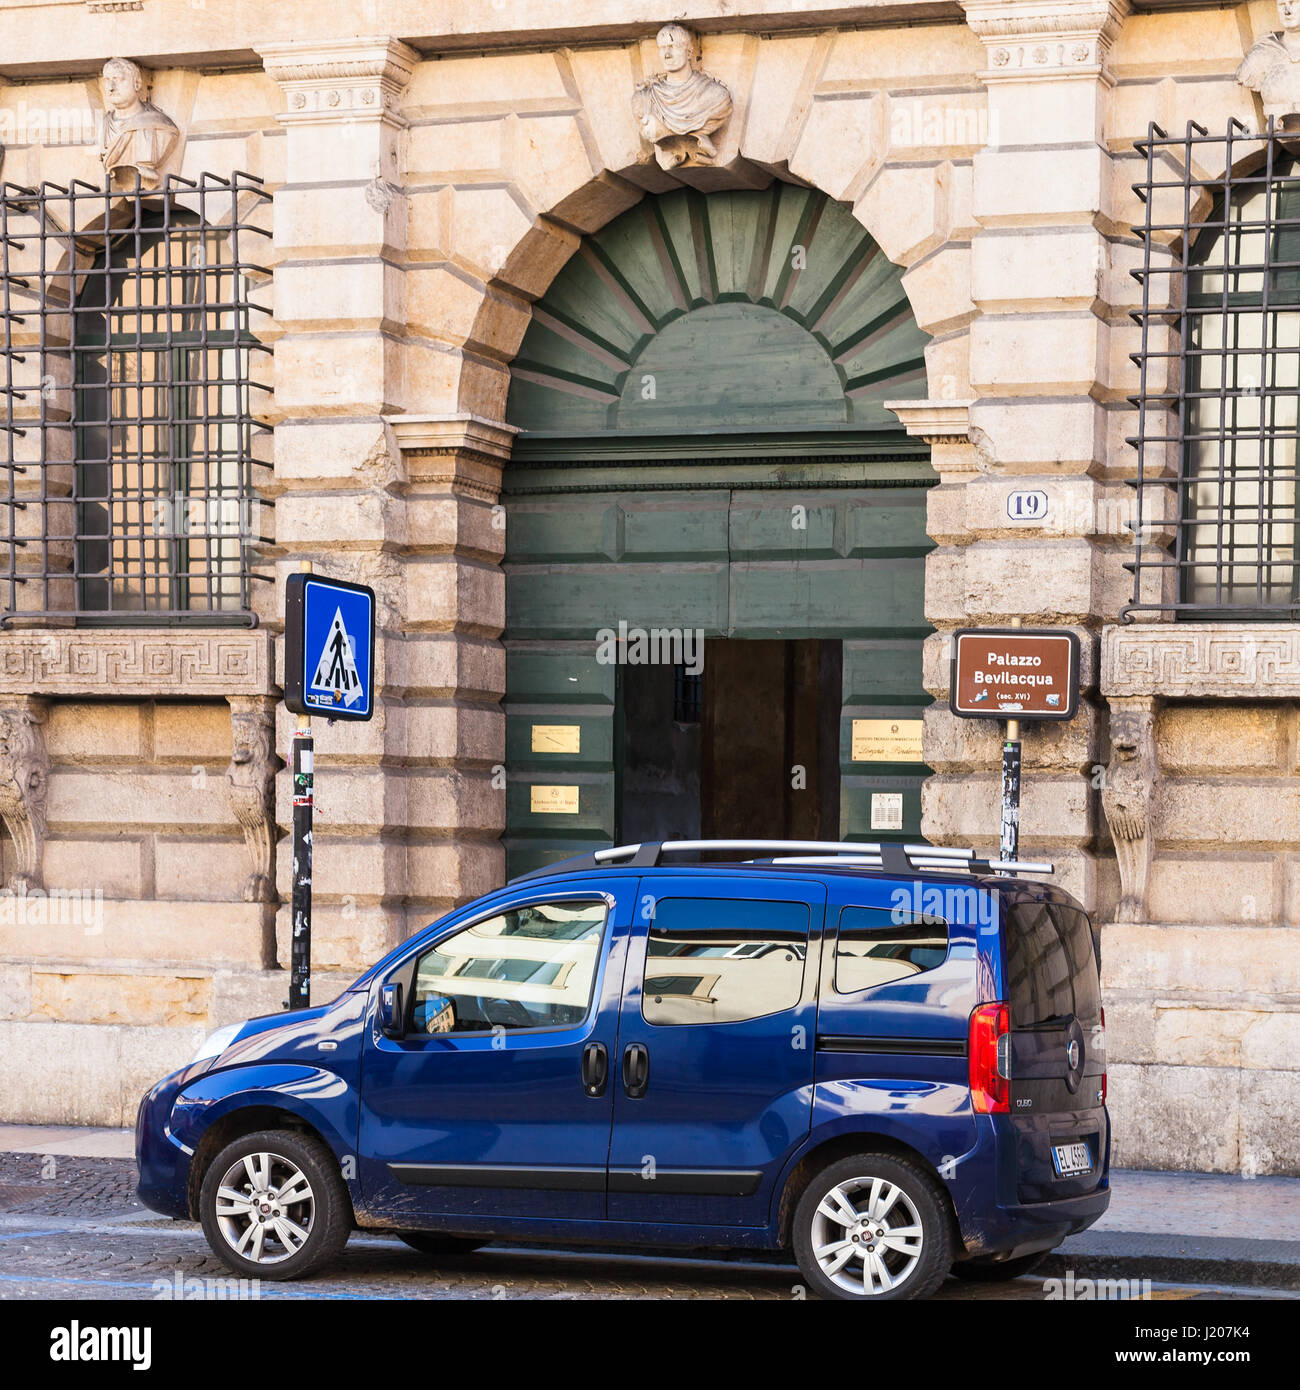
(71, 1228)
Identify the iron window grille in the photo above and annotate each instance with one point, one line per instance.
(130, 426)
(1219, 377)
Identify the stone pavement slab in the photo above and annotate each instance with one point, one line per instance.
(79, 1140)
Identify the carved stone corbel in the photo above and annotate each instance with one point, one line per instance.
(252, 788)
(24, 781)
(1128, 796)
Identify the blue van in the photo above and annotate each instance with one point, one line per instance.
(887, 1059)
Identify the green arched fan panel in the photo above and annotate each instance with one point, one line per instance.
(744, 312)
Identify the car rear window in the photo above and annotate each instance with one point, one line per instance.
(723, 960)
(876, 946)
(1051, 968)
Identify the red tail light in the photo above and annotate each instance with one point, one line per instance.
(990, 1092)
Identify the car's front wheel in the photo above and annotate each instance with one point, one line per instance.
(274, 1206)
(872, 1228)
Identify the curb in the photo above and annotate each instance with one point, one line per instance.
(1167, 1259)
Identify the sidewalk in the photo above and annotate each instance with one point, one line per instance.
(1206, 1228)
(1191, 1227)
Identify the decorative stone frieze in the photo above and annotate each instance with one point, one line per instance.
(137, 139)
(1272, 66)
(420, 434)
(1025, 40)
(680, 109)
(462, 452)
(24, 781)
(252, 788)
(1127, 797)
(142, 664)
(1202, 660)
(343, 79)
(936, 422)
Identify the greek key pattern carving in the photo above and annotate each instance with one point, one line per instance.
(1195, 660)
(136, 664)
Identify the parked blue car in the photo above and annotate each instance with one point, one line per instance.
(887, 1059)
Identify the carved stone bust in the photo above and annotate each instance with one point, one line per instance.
(681, 108)
(137, 136)
(1272, 67)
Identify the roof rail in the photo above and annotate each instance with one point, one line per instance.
(886, 856)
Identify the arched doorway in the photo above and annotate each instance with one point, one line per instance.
(715, 532)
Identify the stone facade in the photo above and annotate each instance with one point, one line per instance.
(429, 183)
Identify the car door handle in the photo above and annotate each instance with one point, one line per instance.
(636, 1070)
(595, 1068)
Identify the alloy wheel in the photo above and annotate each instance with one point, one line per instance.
(867, 1236)
(265, 1208)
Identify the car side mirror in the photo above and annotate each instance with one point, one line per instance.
(390, 1011)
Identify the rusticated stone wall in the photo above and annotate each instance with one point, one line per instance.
(428, 187)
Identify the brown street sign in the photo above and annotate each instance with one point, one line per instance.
(1015, 673)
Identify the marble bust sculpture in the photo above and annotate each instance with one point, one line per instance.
(1272, 67)
(681, 108)
(137, 136)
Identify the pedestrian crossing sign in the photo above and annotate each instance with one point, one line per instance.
(329, 628)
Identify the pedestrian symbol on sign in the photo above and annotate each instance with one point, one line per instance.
(336, 668)
(329, 647)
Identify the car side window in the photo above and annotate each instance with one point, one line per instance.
(875, 945)
(719, 960)
(529, 967)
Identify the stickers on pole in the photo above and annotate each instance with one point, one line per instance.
(1015, 673)
(329, 647)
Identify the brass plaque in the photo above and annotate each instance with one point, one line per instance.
(553, 801)
(887, 741)
(557, 738)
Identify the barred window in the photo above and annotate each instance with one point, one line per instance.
(1220, 364)
(130, 475)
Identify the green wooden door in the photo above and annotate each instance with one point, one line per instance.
(704, 447)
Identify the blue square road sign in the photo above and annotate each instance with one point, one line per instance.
(329, 653)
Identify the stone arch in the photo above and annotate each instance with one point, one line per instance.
(916, 210)
(754, 310)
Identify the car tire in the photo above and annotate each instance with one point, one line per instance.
(429, 1243)
(288, 1186)
(986, 1271)
(843, 1201)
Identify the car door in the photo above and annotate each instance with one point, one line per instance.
(713, 1089)
(493, 1103)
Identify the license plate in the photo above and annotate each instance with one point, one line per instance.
(1070, 1160)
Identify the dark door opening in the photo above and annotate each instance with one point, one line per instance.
(749, 749)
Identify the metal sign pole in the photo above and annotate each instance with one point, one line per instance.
(1009, 841)
(303, 784)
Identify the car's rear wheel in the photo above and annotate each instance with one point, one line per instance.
(427, 1243)
(872, 1228)
(987, 1271)
(274, 1206)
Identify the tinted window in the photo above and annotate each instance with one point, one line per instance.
(1051, 969)
(876, 945)
(531, 967)
(715, 960)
